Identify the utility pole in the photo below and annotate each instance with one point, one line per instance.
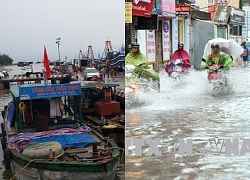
(58, 43)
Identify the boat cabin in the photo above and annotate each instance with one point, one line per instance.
(101, 98)
(41, 106)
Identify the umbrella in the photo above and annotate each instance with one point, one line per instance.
(228, 46)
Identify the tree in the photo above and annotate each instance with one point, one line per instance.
(5, 59)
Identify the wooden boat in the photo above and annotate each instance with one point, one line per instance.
(27, 69)
(45, 139)
(102, 110)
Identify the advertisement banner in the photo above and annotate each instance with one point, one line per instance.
(49, 91)
(143, 7)
(128, 12)
(174, 34)
(166, 45)
(168, 6)
(150, 37)
(222, 14)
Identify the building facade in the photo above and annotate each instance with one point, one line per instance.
(168, 22)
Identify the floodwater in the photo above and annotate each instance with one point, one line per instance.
(188, 111)
(5, 97)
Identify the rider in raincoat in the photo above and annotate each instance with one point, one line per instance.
(180, 53)
(139, 60)
(217, 57)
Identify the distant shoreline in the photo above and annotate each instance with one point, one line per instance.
(3, 69)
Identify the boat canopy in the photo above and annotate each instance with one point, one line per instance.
(99, 85)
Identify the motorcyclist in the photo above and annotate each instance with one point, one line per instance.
(217, 57)
(180, 53)
(139, 60)
(135, 57)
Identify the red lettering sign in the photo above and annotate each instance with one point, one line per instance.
(143, 7)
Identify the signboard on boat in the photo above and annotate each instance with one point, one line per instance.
(49, 91)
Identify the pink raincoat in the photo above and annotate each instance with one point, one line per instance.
(180, 54)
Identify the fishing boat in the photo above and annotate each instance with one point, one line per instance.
(27, 69)
(44, 136)
(102, 110)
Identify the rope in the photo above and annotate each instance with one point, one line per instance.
(54, 158)
(22, 107)
(108, 140)
(119, 149)
(22, 169)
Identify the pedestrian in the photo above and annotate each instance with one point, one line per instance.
(102, 74)
(244, 55)
(248, 52)
(99, 67)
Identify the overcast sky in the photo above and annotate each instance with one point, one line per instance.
(26, 26)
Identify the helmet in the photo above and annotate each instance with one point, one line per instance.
(135, 44)
(180, 44)
(215, 45)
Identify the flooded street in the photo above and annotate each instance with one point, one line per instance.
(190, 112)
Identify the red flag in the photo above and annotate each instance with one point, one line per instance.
(46, 63)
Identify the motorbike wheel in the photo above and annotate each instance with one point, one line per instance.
(217, 87)
(175, 76)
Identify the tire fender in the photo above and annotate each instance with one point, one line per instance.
(7, 157)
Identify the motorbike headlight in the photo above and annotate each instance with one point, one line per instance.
(132, 86)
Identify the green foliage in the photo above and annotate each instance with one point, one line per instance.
(5, 59)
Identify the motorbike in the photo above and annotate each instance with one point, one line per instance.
(217, 78)
(176, 70)
(142, 77)
(139, 79)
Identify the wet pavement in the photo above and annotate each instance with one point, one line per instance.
(188, 111)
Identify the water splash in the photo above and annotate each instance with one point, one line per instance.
(192, 91)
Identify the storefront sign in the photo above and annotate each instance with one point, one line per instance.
(143, 7)
(146, 23)
(166, 44)
(150, 45)
(182, 10)
(168, 8)
(49, 91)
(128, 12)
(211, 8)
(237, 16)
